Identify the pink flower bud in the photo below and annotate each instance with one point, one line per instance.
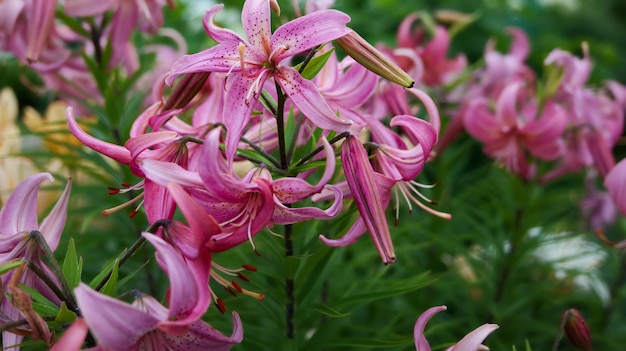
(576, 329)
(373, 59)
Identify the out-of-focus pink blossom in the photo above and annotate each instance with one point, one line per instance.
(516, 129)
(470, 342)
(437, 68)
(18, 218)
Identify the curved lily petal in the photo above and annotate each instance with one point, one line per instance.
(116, 152)
(421, 344)
(20, 211)
(474, 339)
(116, 325)
(52, 225)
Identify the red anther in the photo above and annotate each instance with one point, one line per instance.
(133, 213)
(230, 291)
(236, 286)
(126, 185)
(113, 191)
(249, 267)
(220, 305)
(243, 277)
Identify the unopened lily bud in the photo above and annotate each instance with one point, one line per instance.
(373, 59)
(576, 329)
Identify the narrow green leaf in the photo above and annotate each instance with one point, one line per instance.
(72, 269)
(40, 300)
(396, 288)
(110, 288)
(329, 311)
(315, 65)
(5, 267)
(124, 280)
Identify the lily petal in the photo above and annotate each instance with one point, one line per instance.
(421, 344)
(307, 32)
(20, 211)
(366, 194)
(116, 325)
(305, 95)
(116, 152)
(52, 225)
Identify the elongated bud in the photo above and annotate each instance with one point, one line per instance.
(373, 59)
(576, 329)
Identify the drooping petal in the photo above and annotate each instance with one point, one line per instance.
(52, 225)
(186, 304)
(474, 339)
(307, 32)
(116, 325)
(360, 177)
(353, 234)
(116, 152)
(304, 94)
(421, 344)
(20, 211)
(41, 16)
(203, 226)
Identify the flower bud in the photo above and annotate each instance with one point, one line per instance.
(576, 329)
(373, 59)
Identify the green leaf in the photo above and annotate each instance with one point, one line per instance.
(328, 311)
(72, 265)
(110, 288)
(64, 316)
(125, 280)
(315, 65)
(41, 304)
(5, 267)
(395, 288)
(113, 266)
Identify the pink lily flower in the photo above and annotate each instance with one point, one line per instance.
(470, 342)
(243, 207)
(146, 324)
(264, 55)
(18, 218)
(512, 130)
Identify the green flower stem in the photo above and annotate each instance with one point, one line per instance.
(66, 292)
(129, 252)
(71, 304)
(320, 148)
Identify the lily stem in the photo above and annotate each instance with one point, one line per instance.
(66, 292)
(127, 253)
(284, 165)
